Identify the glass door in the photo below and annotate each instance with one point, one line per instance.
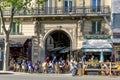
(96, 4)
(67, 6)
(48, 7)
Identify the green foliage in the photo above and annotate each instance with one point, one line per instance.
(16, 21)
(16, 4)
(20, 4)
(41, 1)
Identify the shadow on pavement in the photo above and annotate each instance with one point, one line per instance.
(4, 73)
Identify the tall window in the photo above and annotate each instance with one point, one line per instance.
(96, 5)
(15, 28)
(48, 7)
(96, 27)
(68, 6)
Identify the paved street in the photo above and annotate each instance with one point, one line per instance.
(27, 76)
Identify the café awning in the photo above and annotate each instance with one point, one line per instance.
(16, 41)
(56, 49)
(116, 40)
(97, 45)
(67, 49)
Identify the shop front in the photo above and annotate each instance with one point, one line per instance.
(18, 48)
(100, 49)
(116, 47)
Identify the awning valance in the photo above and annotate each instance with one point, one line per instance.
(97, 45)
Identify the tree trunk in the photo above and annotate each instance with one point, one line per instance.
(6, 53)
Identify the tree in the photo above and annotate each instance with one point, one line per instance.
(16, 6)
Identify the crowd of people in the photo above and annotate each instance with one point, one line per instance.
(47, 66)
(60, 65)
(24, 66)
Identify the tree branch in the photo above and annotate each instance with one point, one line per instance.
(3, 22)
(11, 20)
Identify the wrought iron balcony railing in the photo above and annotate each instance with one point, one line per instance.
(16, 33)
(61, 11)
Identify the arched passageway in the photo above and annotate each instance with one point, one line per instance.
(58, 44)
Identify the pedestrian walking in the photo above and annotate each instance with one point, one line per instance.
(75, 68)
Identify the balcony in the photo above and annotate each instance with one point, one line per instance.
(74, 11)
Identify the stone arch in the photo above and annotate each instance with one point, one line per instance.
(52, 30)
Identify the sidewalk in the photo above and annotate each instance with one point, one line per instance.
(52, 74)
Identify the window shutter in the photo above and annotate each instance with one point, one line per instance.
(99, 26)
(17, 26)
(98, 5)
(93, 5)
(13, 27)
(70, 6)
(66, 6)
(93, 27)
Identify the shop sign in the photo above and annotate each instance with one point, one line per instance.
(97, 37)
(97, 50)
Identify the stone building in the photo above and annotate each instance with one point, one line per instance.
(65, 26)
(116, 28)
